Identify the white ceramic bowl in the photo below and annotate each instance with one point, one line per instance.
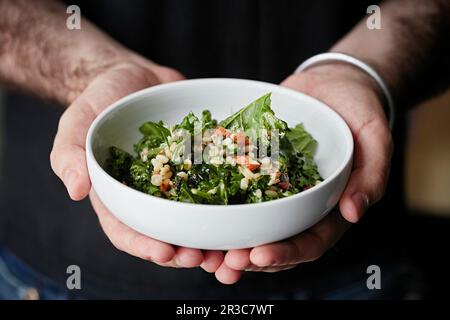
(218, 226)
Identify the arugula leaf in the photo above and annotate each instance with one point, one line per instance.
(156, 130)
(256, 116)
(154, 135)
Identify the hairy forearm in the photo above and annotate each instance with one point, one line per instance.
(411, 50)
(38, 54)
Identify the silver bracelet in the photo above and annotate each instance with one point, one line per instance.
(335, 56)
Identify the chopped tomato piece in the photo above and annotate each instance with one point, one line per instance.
(244, 160)
(252, 166)
(241, 139)
(221, 131)
(165, 185)
(284, 185)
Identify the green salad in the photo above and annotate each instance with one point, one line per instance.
(251, 156)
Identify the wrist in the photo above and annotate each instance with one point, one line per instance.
(79, 72)
(339, 70)
(362, 73)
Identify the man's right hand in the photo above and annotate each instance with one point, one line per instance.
(69, 163)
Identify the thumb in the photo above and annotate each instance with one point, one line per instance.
(67, 157)
(367, 183)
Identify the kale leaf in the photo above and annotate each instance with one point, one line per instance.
(299, 147)
(118, 164)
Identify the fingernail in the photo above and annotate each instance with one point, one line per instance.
(70, 178)
(179, 262)
(361, 201)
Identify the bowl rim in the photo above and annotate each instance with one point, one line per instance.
(119, 104)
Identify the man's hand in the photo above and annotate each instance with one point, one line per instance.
(69, 163)
(87, 70)
(355, 97)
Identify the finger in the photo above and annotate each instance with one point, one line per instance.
(238, 259)
(307, 246)
(275, 254)
(212, 259)
(367, 183)
(188, 257)
(67, 158)
(271, 269)
(226, 275)
(126, 239)
(170, 264)
(166, 74)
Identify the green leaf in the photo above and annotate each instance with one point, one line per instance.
(184, 195)
(154, 135)
(151, 144)
(297, 140)
(140, 173)
(256, 116)
(303, 172)
(299, 147)
(207, 121)
(118, 164)
(189, 123)
(234, 181)
(223, 181)
(154, 129)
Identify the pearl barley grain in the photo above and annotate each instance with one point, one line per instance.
(165, 169)
(265, 161)
(156, 180)
(244, 184)
(187, 164)
(162, 158)
(157, 165)
(183, 175)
